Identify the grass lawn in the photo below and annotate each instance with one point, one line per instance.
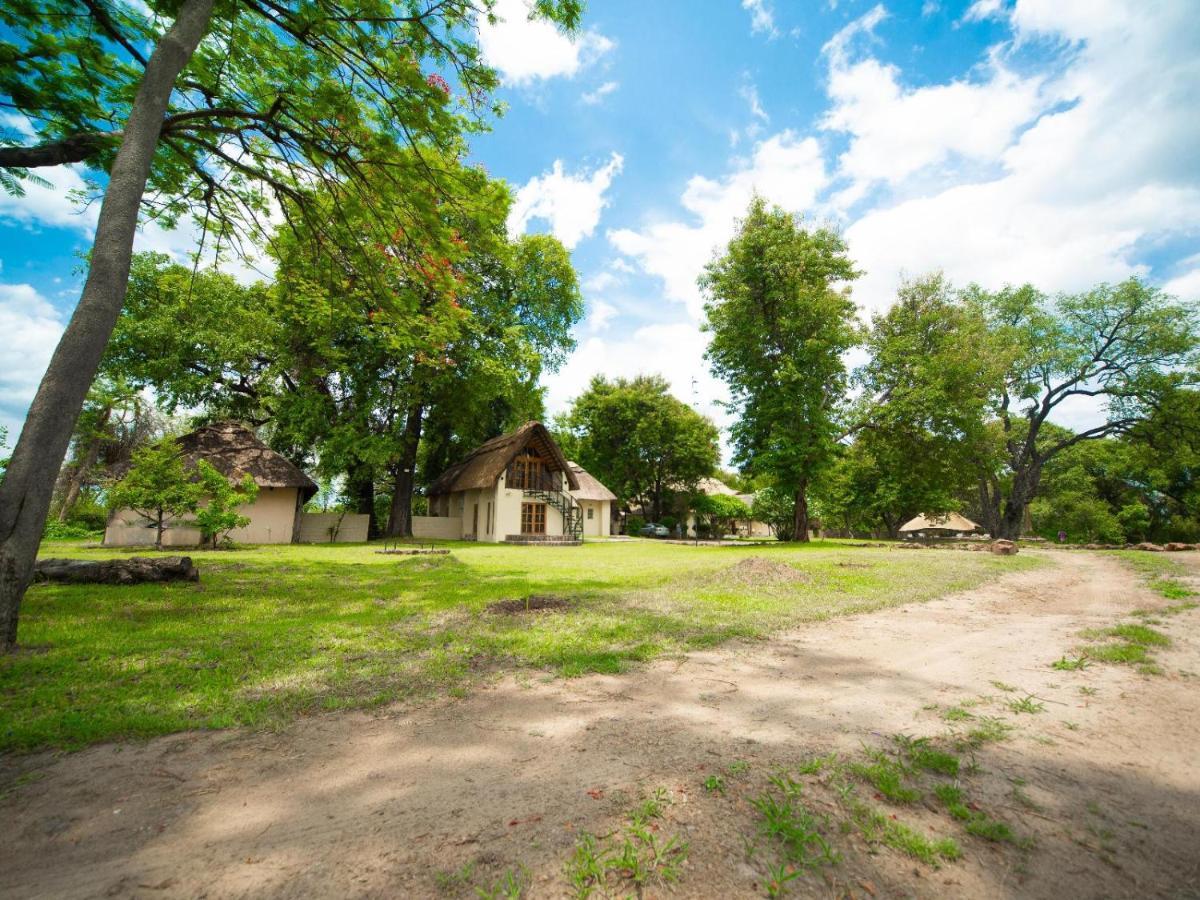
(274, 632)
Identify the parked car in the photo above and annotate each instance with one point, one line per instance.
(650, 529)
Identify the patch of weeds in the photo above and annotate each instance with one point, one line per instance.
(922, 755)
(778, 877)
(989, 730)
(1150, 669)
(650, 808)
(634, 855)
(975, 821)
(738, 768)
(788, 823)
(453, 882)
(814, 765)
(1027, 704)
(1071, 726)
(876, 827)
(1172, 589)
(1088, 691)
(511, 886)
(1123, 653)
(1070, 665)
(1176, 608)
(714, 784)
(887, 777)
(1007, 688)
(1139, 634)
(957, 714)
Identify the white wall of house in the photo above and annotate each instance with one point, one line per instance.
(272, 521)
(437, 528)
(596, 517)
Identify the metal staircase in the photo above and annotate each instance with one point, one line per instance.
(568, 506)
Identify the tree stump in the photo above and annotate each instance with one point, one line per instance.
(135, 570)
(1004, 548)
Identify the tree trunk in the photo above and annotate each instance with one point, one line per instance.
(82, 466)
(800, 515)
(360, 490)
(400, 514)
(1024, 488)
(28, 485)
(134, 570)
(158, 530)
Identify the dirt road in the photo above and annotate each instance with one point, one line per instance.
(1101, 787)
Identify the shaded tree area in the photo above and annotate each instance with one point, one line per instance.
(229, 113)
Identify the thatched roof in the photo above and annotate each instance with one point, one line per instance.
(487, 462)
(589, 486)
(234, 451)
(948, 522)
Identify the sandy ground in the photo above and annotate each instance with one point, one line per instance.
(357, 805)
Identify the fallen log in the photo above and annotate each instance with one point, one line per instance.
(135, 570)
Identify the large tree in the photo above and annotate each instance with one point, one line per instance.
(781, 319)
(640, 440)
(217, 109)
(985, 373)
(918, 425)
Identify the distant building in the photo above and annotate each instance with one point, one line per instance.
(517, 488)
(948, 525)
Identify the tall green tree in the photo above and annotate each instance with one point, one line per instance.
(215, 108)
(641, 441)
(781, 318)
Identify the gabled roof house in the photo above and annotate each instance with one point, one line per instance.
(517, 488)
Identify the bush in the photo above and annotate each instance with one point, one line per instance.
(68, 531)
(633, 524)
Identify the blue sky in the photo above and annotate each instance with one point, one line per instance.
(1040, 140)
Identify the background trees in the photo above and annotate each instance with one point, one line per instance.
(639, 440)
(780, 324)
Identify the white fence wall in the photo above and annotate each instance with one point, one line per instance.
(315, 527)
(446, 528)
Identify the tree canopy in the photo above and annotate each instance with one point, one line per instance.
(638, 439)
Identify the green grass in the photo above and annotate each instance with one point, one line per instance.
(274, 632)
(1065, 664)
(879, 828)
(887, 776)
(1132, 646)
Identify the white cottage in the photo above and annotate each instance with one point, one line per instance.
(517, 488)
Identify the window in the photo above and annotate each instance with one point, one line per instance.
(533, 518)
(590, 511)
(527, 471)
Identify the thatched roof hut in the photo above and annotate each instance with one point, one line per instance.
(950, 522)
(489, 460)
(234, 450)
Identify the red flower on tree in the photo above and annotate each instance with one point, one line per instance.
(438, 82)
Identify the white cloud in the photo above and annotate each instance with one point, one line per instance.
(762, 17)
(1186, 286)
(31, 329)
(600, 315)
(594, 97)
(749, 93)
(983, 9)
(52, 206)
(602, 281)
(896, 132)
(673, 350)
(1068, 199)
(524, 50)
(786, 169)
(570, 203)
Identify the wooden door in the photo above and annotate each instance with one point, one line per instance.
(533, 518)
